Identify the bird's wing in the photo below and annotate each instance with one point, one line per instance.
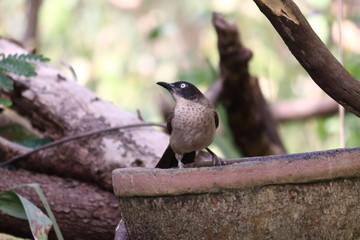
(168, 124)
(168, 159)
(216, 119)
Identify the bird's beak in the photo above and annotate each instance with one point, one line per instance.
(165, 85)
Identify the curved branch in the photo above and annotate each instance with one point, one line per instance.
(312, 53)
(79, 136)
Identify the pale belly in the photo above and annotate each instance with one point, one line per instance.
(192, 130)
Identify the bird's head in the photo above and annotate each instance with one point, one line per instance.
(183, 90)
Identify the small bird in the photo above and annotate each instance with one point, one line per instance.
(191, 124)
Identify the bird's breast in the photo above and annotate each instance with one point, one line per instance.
(193, 128)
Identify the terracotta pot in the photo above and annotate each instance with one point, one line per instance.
(300, 196)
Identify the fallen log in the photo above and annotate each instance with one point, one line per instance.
(60, 107)
(82, 210)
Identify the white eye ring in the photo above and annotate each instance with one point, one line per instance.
(183, 85)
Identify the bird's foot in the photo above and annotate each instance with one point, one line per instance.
(179, 158)
(216, 161)
(180, 165)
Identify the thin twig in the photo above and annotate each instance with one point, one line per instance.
(139, 115)
(214, 91)
(212, 69)
(341, 60)
(72, 70)
(71, 138)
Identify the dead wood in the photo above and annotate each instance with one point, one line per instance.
(312, 53)
(82, 210)
(250, 120)
(60, 107)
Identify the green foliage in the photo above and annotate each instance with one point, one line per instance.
(5, 82)
(15, 205)
(131, 52)
(19, 64)
(15, 132)
(155, 33)
(10, 203)
(18, 206)
(5, 102)
(35, 142)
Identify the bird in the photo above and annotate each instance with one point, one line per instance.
(191, 124)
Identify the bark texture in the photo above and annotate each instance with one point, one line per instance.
(312, 54)
(82, 210)
(59, 107)
(249, 117)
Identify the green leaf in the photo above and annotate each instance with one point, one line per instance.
(11, 205)
(46, 206)
(155, 33)
(22, 65)
(19, 67)
(5, 82)
(25, 57)
(35, 143)
(40, 224)
(33, 57)
(5, 102)
(18, 206)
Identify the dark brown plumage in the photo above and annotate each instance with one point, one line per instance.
(191, 124)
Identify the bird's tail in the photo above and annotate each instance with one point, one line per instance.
(168, 159)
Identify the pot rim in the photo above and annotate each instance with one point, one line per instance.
(245, 172)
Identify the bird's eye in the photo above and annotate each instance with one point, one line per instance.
(183, 85)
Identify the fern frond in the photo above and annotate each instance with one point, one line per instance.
(5, 82)
(17, 66)
(33, 58)
(25, 57)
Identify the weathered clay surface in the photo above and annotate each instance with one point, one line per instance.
(301, 196)
(323, 210)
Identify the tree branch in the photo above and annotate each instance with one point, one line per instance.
(214, 91)
(293, 110)
(312, 53)
(76, 137)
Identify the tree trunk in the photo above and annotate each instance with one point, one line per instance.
(250, 120)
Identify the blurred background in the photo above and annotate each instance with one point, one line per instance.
(121, 48)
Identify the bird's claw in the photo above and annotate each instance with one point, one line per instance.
(179, 158)
(180, 165)
(216, 161)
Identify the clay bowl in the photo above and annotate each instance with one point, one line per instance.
(299, 196)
